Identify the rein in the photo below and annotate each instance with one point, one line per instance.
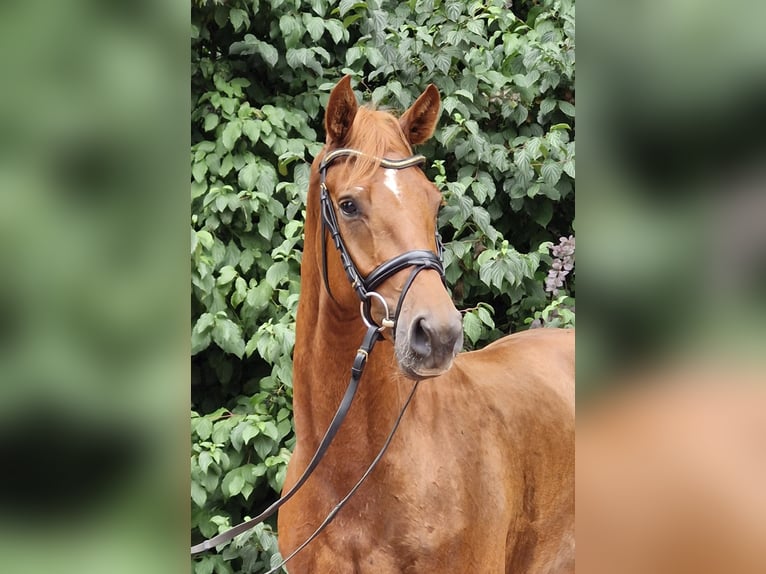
(365, 289)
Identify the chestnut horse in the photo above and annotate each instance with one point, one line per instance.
(480, 475)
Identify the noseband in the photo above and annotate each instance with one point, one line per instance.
(418, 259)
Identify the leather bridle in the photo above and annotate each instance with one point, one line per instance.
(364, 286)
(418, 259)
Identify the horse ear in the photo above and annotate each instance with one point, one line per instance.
(341, 110)
(418, 123)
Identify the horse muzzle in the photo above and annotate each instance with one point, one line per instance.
(427, 344)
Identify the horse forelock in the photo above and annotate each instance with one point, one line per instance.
(376, 134)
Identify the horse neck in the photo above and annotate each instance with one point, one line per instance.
(328, 334)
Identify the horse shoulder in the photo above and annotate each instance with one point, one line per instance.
(523, 388)
(536, 357)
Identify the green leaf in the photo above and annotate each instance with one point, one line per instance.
(567, 108)
(314, 26)
(231, 134)
(233, 482)
(569, 168)
(374, 57)
(551, 192)
(450, 133)
(345, 5)
(453, 9)
(237, 17)
(205, 238)
(240, 292)
(293, 228)
(476, 26)
(270, 430)
(204, 460)
(211, 121)
(465, 93)
(199, 170)
(204, 428)
(206, 564)
(485, 317)
(246, 260)
(248, 176)
(198, 494)
(443, 62)
(205, 322)
(266, 225)
(289, 25)
(252, 129)
(259, 296)
(472, 327)
(226, 275)
(551, 171)
(198, 188)
(236, 436)
(222, 430)
(319, 6)
(493, 273)
(336, 30)
(353, 54)
(525, 172)
(250, 431)
(277, 273)
(547, 105)
(267, 178)
(200, 340)
(269, 53)
(520, 114)
(483, 188)
(226, 165)
(228, 336)
(252, 345)
(482, 218)
(263, 446)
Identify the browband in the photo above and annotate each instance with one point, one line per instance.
(384, 162)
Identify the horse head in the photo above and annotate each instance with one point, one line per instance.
(384, 210)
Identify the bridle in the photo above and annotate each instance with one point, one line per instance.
(418, 259)
(364, 286)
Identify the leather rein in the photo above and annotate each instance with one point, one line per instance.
(365, 287)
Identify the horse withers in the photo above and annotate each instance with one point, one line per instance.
(480, 475)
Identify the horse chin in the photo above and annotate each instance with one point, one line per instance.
(413, 368)
(420, 374)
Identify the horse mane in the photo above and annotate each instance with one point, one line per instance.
(374, 133)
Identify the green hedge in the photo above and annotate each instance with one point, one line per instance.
(503, 155)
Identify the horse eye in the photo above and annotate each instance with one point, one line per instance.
(348, 207)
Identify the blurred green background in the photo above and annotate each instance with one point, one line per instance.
(671, 198)
(94, 140)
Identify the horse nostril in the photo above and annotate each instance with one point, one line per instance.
(420, 337)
